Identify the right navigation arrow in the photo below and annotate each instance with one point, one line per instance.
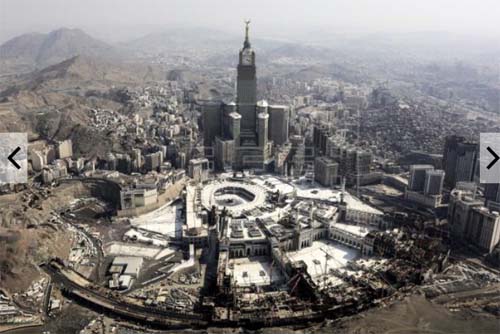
(496, 157)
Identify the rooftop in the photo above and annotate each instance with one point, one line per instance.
(243, 229)
(254, 271)
(358, 230)
(316, 256)
(132, 264)
(333, 195)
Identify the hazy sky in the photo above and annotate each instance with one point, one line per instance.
(121, 19)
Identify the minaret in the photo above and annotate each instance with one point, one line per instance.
(342, 190)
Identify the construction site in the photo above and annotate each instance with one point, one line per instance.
(248, 251)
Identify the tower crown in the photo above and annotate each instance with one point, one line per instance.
(246, 43)
(247, 55)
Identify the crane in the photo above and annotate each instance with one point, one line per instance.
(295, 279)
(328, 256)
(296, 283)
(271, 272)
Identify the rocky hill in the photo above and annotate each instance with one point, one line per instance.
(79, 72)
(32, 51)
(53, 103)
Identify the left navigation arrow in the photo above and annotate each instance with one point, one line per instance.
(11, 158)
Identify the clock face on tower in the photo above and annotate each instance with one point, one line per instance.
(246, 57)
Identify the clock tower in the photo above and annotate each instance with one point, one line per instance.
(246, 87)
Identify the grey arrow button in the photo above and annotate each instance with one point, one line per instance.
(11, 157)
(495, 156)
(489, 156)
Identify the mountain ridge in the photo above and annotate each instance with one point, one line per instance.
(37, 50)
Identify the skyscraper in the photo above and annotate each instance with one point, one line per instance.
(246, 84)
(425, 186)
(244, 125)
(278, 124)
(211, 113)
(325, 171)
(252, 151)
(418, 177)
(459, 160)
(433, 182)
(321, 133)
(492, 192)
(483, 228)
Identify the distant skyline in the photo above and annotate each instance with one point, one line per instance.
(119, 20)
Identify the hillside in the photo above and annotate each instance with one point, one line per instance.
(53, 103)
(81, 73)
(34, 50)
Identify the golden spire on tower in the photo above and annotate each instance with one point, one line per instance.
(247, 27)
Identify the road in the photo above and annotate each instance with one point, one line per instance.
(157, 316)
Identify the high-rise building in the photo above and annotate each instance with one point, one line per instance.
(212, 122)
(198, 169)
(321, 133)
(434, 182)
(492, 192)
(326, 171)
(252, 151)
(153, 161)
(459, 208)
(123, 163)
(483, 228)
(234, 127)
(356, 166)
(354, 163)
(425, 186)
(459, 160)
(246, 84)
(278, 124)
(298, 160)
(262, 128)
(247, 122)
(471, 221)
(418, 177)
(223, 151)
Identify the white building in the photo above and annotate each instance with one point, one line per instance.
(138, 197)
(124, 271)
(352, 236)
(198, 169)
(483, 228)
(65, 149)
